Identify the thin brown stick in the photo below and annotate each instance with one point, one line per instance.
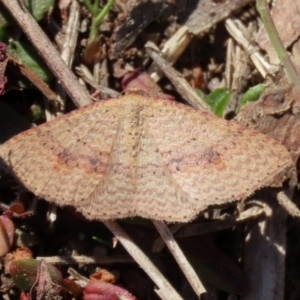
(85, 75)
(82, 259)
(289, 206)
(165, 290)
(172, 50)
(185, 266)
(38, 38)
(181, 85)
(68, 49)
(34, 79)
(263, 9)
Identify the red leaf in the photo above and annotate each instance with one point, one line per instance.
(144, 82)
(99, 290)
(7, 230)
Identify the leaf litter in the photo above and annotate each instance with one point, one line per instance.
(127, 58)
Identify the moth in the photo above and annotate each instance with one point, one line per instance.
(143, 156)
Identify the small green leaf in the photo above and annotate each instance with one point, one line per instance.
(98, 16)
(44, 288)
(27, 55)
(218, 100)
(38, 8)
(251, 95)
(24, 273)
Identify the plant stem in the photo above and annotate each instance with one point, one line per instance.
(165, 290)
(185, 266)
(91, 7)
(42, 43)
(97, 20)
(263, 9)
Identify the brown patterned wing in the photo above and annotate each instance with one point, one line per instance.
(146, 157)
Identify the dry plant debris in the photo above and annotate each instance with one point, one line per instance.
(200, 29)
(276, 114)
(285, 15)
